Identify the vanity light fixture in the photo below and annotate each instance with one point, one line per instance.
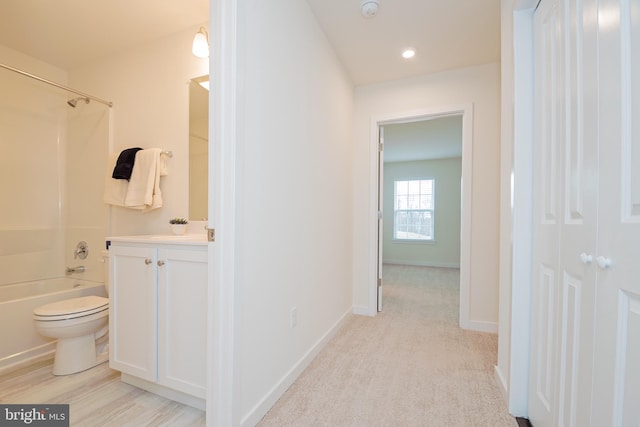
(408, 53)
(200, 47)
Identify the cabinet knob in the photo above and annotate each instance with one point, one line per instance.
(603, 263)
(147, 261)
(160, 263)
(586, 258)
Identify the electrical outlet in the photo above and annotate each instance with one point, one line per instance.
(294, 317)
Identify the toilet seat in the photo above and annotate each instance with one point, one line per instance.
(71, 309)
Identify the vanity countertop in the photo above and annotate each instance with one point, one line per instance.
(165, 239)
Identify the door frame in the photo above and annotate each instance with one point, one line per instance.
(466, 111)
(517, 131)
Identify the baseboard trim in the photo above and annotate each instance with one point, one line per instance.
(27, 357)
(175, 395)
(479, 326)
(263, 406)
(422, 263)
(502, 384)
(361, 310)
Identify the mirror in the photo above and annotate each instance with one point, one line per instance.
(198, 147)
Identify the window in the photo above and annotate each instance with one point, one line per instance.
(413, 210)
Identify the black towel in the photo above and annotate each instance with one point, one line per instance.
(124, 164)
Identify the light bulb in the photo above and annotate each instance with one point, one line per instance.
(409, 53)
(200, 46)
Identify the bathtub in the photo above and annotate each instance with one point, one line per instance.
(19, 341)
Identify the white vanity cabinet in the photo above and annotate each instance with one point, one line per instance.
(157, 316)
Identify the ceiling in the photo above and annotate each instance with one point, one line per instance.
(438, 138)
(67, 33)
(447, 34)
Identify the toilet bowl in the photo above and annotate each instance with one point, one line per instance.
(76, 323)
(80, 326)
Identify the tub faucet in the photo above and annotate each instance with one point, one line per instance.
(82, 250)
(78, 269)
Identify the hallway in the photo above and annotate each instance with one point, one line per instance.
(409, 366)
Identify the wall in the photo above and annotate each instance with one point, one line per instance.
(149, 87)
(478, 85)
(32, 129)
(502, 368)
(85, 216)
(444, 250)
(516, 239)
(293, 199)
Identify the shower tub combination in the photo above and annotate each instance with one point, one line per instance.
(19, 341)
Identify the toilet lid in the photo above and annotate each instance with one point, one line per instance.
(71, 308)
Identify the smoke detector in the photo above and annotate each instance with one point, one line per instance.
(369, 8)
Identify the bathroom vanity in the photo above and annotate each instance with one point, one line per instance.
(158, 316)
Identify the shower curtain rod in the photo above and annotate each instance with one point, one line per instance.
(68, 89)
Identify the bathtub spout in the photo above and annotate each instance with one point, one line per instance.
(78, 269)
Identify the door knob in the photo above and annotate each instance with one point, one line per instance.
(586, 258)
(147, 261)
(160, 263)
(603, 262)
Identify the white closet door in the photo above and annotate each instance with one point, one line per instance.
(617, 352)
(566, 207)
(548, 23)
(578, 230)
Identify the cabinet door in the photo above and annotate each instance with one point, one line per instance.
(182, 317)
(132, 310)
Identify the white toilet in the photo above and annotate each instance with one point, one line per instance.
(80, 325)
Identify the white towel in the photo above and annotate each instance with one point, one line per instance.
(115, 190)
(143, 191)
(164, 169)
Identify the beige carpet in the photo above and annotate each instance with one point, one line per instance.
(409, 366)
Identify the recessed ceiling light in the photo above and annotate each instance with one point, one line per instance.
(409, 53)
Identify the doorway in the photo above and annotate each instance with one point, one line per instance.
(377, 160)
(420, 192)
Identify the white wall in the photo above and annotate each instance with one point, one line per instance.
(512, 369)
(149, 87)
(480, 86)
(506, 161)
(444, 250)
(63, 157)
(85, 215)
(293, 198)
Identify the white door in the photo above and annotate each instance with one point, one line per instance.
(586, 274)
(380, 212)
(617, 352)
(579, 218)
(547, 213)
(566, 212)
